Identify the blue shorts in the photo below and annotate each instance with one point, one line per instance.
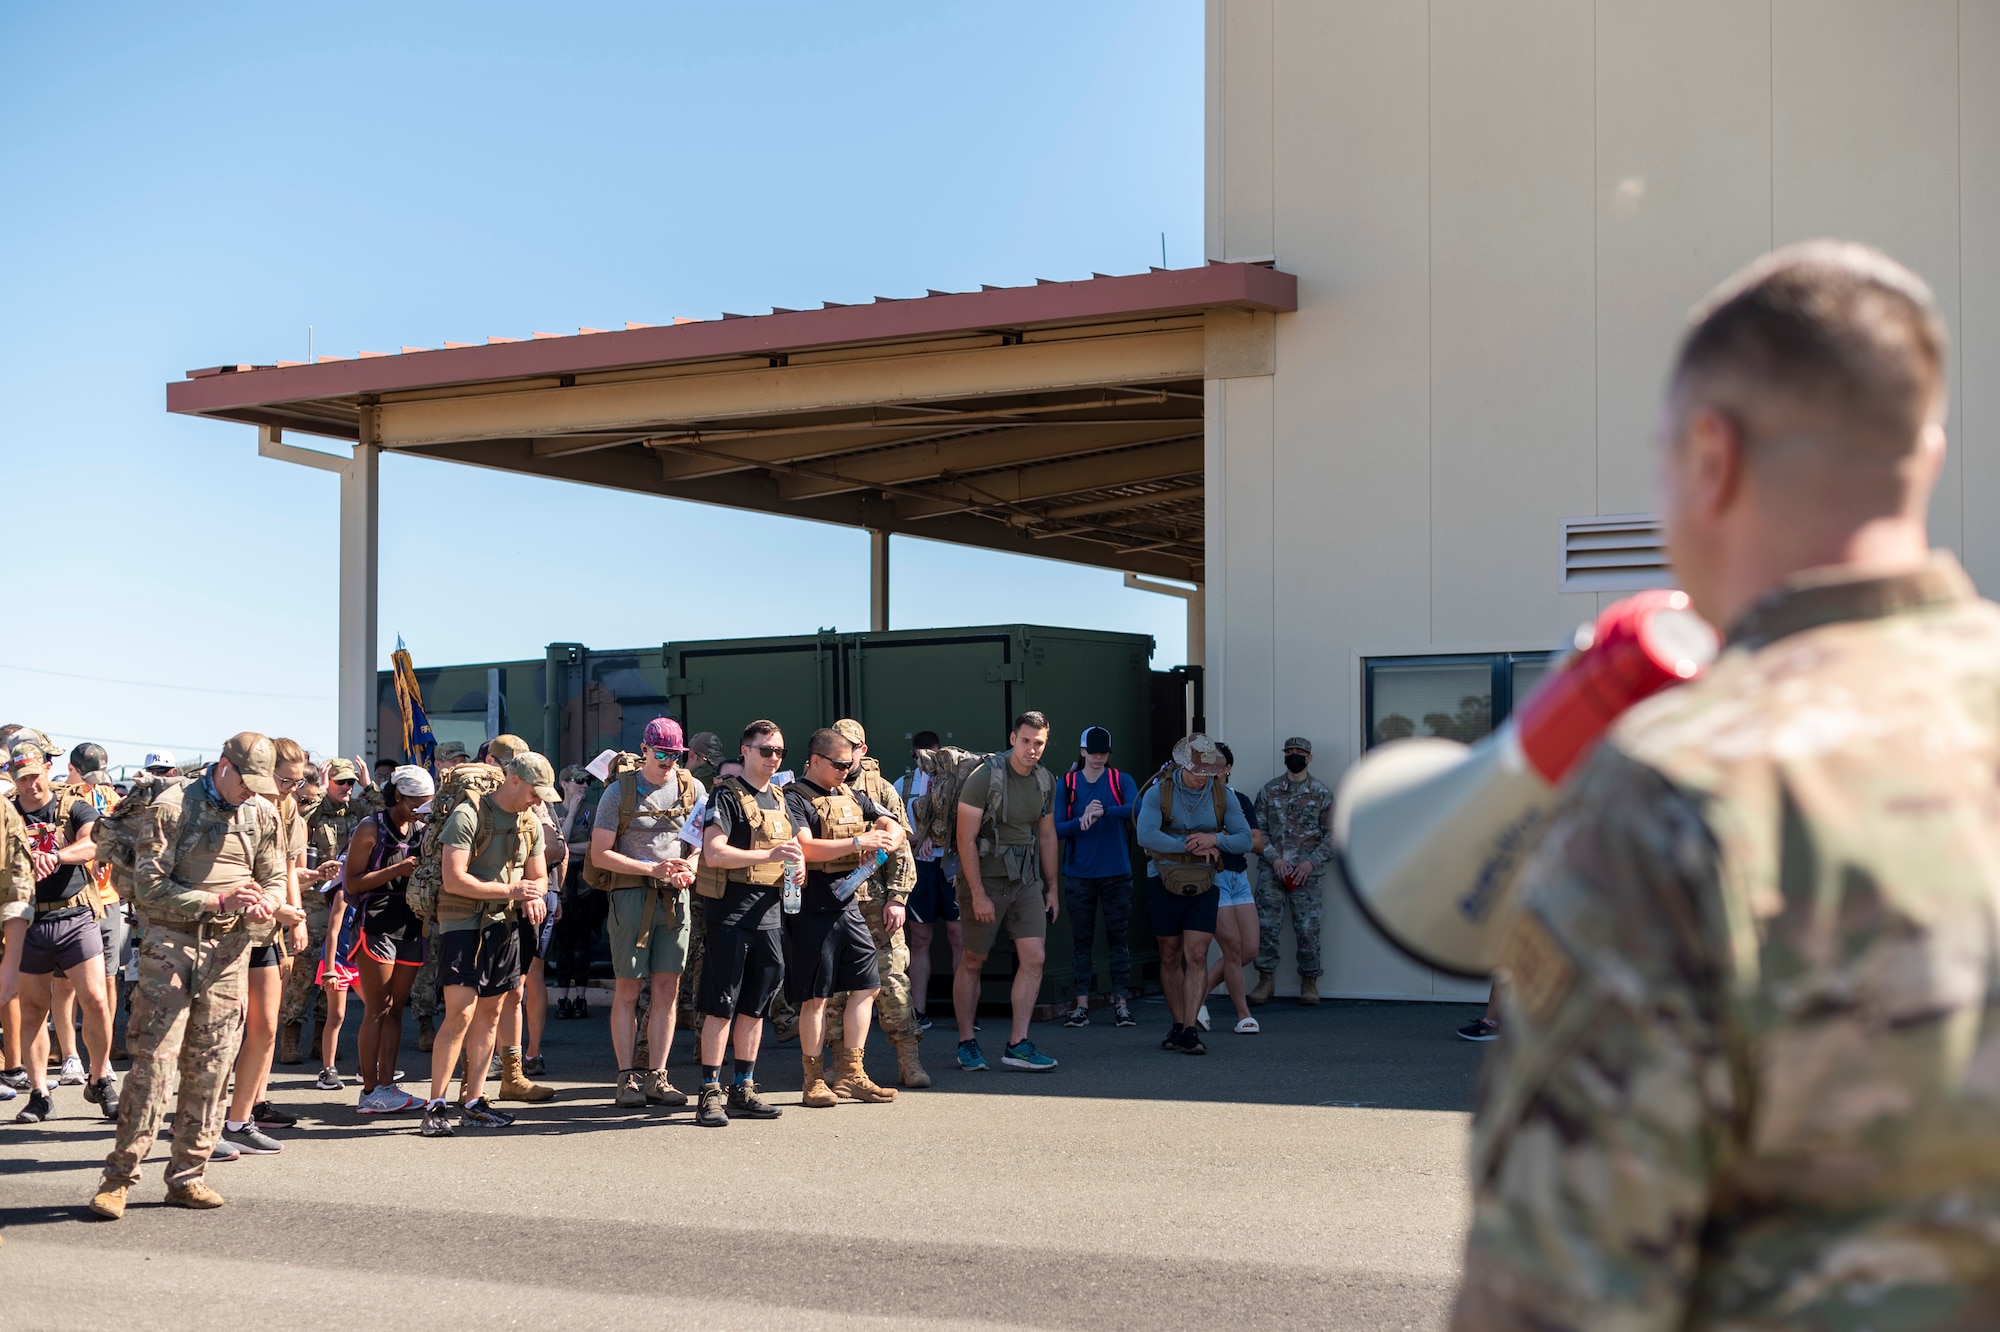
(1173, 915)
(1234, 885)
(933, 899)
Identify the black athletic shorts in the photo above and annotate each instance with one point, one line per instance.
(828, 952)
(60, 942)
(387, 930)
(741, 970)
(1171, 914)
(263, 955)
(488, 958)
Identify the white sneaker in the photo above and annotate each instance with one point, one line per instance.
(72, 1073)
(1248, 1027)
(1201, 1018)
(397, 1099)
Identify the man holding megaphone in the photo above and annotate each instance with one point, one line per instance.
(1749, 1065)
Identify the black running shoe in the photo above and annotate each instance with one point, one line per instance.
(17, 1078)
(437, 1123)
(103, 1093)
(1191, 1041)
(481, 1114)
(1078, 1016)
(1122, 1013)
(1480, 1029)
(1172, 1040)
(267, 1116)
(40, 1106)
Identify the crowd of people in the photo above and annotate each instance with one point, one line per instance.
(248, 900)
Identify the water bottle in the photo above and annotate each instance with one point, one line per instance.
(851, 882)
(795, 877)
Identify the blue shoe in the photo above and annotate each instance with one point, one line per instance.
(1023, 1054)
(969, 1058)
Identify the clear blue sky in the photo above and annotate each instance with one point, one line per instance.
(192, 185)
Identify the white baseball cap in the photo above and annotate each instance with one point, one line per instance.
(160, 758)
(413, 781)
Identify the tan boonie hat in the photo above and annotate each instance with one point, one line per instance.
(533, 769)
(341, 770)
(255, 759)
(1198, 754)
(503, 749)
(850, 731)
(1299, 743)
(26, 756)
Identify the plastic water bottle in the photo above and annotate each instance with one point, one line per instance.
(795, 877)
(851, 882)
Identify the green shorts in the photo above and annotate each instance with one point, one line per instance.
(1019, 909)
(665, 952)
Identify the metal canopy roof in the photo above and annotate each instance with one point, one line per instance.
(1062, 419)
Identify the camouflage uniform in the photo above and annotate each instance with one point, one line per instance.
(1296, 818)
(187, 1008)
(892, 883)
(329, 826)
(1749, 1069)
(17, 870)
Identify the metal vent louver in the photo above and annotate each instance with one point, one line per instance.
(1620, 552)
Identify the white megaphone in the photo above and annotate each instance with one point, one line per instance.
(1431, 834)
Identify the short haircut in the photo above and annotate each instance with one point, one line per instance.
(924, 740)
(288, 750)
(1227, 756)
(1839, 330)
(760, 727)
(823, 741)
(1031, 719)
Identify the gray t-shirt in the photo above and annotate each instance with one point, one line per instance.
(654, 833)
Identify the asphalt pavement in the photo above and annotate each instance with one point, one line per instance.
(1310, 1177)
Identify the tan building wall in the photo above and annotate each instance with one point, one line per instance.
(1499, 211)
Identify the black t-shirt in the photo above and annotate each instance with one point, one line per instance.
(744, 905)
(80, 815)
(817, 898)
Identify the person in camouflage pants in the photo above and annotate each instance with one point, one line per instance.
(207, 864)
(891, 886)
(329, 825)
(1295, 811)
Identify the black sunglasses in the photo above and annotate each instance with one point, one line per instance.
(838, 765)
(770, 751)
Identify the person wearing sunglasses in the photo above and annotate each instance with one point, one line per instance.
(636, 840)
(746, 844)
(829, 948)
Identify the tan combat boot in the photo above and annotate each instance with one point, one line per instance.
(110, 1200)
(195, 1193)
(426, 1034)
(516, 1085)
(852, 1081)
(288, 1044)
(1267, 981)
(909, 1068)
(1309, 990)
(631, 1090)
(817, 1094)
(660, 1091)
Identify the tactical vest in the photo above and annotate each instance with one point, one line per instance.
(51, 837)
(840, 819)
(103, 799)
(628, 808)
(768, 828)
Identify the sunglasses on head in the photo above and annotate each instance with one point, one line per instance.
(770, 751)
(667, 755)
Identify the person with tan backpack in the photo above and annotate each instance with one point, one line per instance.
(636, 862)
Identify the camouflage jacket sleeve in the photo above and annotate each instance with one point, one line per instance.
(1602, 1110)
(154, 889)
(269, 865)
(899, 876)
(17, 870)
(1322, 817)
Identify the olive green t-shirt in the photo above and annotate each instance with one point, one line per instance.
(500, 862)
(1021, 810)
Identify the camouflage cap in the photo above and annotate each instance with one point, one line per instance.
(504, 749)
(255, 759)
(1299, 743)
(35, 737)
(707, 744)
(1198, 754)
(451, 749)
(533, 769)
(341, 770)
(850, 731)
(25, 756)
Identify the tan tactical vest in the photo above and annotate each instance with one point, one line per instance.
(768, 828)
(839, 819)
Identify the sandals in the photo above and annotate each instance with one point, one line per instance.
(1248, 1027)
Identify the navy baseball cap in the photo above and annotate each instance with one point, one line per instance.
(1096, 740)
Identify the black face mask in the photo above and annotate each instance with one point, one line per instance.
(1296, 762)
